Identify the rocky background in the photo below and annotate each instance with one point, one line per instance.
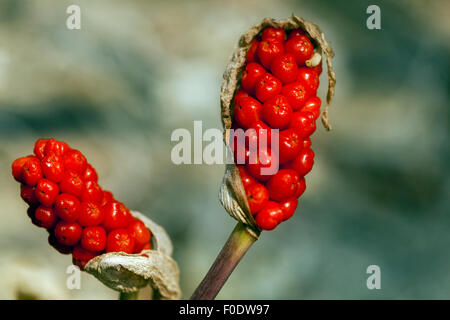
(137, 70)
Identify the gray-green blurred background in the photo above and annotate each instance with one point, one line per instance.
(137, 70)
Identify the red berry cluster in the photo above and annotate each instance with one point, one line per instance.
(63, 195)
(278, 91)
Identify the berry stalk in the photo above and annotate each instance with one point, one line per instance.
(239, 241)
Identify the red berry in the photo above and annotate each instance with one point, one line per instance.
(147, 246)
(81, 256)
(107, 197)
(67, 207)
(239, 95)
(307, 143)
(120, 240)
(58, 246)
(301, 187)
(74, 160)
(45, 217)
(313, 105)
(267, 87)
(277, 112)
(251, 74)
(31, 171)
(262, 164)
(72, 183)
(290, 145)
(296, 32)
(270, 33)
(251, 53)
(90, 174)
(247, 180)
(304, 122)
(46, 192)
(269, 50)
(318, 69)
(93, 239)
(92, 192)
(257, 196)
(39, 148)
(116, 216)
(27, 194)
(283, 184)
(297, 94)
(52, 167)
(260, 131)
(285, 68)
(309, 78)
(288, 207)
(139, 232)
(91, 214)
(68, 233)
(303, 163)
(269, 216)
(301, 47)
(17, 166)
(56, 147)
(247, 111)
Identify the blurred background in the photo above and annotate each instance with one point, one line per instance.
(137, 70)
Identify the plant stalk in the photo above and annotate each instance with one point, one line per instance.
(129, 296)
(232, 252)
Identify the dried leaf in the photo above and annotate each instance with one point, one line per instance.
(130, 272)
(232, 193)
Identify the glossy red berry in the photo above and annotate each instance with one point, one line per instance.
(45, 217)
(251, 53)
(276, 112)
(290, 145)
(303, 163)
(257, 197)
(301, 47)
(68, 233)
(53, 146)
(296, 32)
(116, 216)
(52, 167)
(58, 246)
(313, 105)
(283, 184)
(107, 197)
(297, 95)
(17, 166)
(247, 111)
(267, 87)
(250, 76)
(239, 95)
(120, 240)
(307, 143)
(301, 187)
(139, 232)
(92, 192)
(247, 180)
(309, 78)
(269, 216)
(39, 148)
(93, 239)
(147, 246)
(67, 207)
(285, 68)
(262, 164)
(273, 34)
(304, 122)
(31, 171)
(90, 174)
(81, 256)
(269, 50)
(46, 192)
(91, 214)
(288, 207)
(75, 161)
(258, 134)
(27, 194)
(72, 183)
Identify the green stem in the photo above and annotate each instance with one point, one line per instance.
(128, 296)
(232, 252)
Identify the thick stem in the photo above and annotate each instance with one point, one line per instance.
(232, 252)
(128, 296)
